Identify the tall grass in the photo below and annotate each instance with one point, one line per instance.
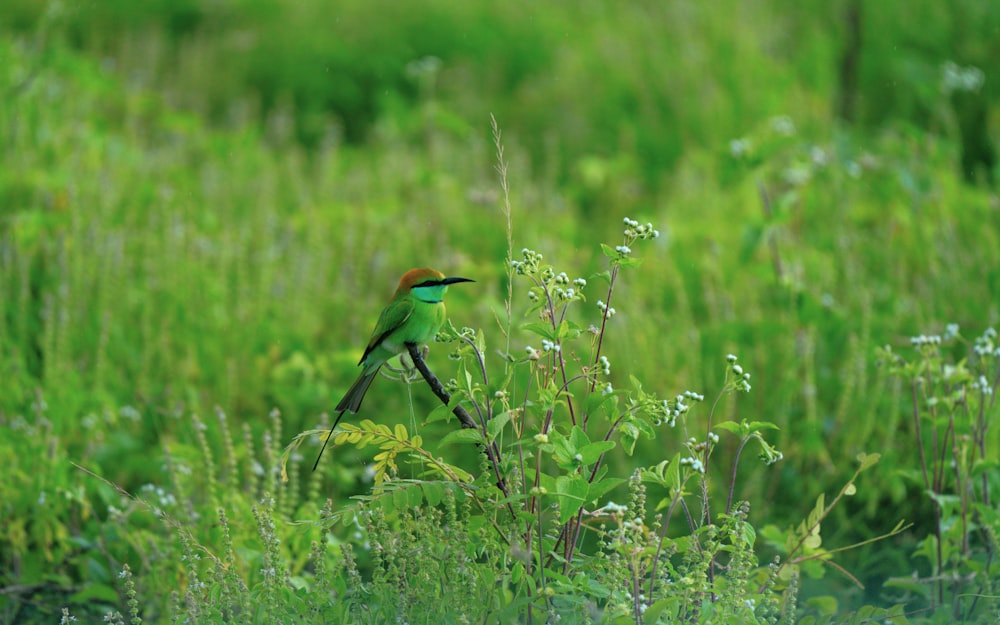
(153, 265)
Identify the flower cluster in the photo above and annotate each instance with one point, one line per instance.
(605, 365)
(738, 148)
(985, 345)
(635, 231)
(783, 125)
(529, 263)
(982, 385)
(954, 77)
(742, 378)
(695, 464)
(549, 286)
(925, 340)
(670, 410)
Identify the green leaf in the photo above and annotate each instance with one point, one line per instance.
(468, 379)
(441, 413)
(386, 503)
(601, 275)
(594, 402)
(590, 453)
(609, 251)
(911, 584)
(495, 425)
(563, 450)
(752, 234)
(652, 614)
(578, 438)
(748, 534)
(433, 492)
(414, 495)
(568, 330)
(400, 498)
(825, 605)
(983, 466)
(776, 538)
(571, 492)
(601, 488)
(480, 341)
(543, 330)
(730, 426)
(464, 435)
(95, 592)
(516, 572)
(629, 436)
(867, 461)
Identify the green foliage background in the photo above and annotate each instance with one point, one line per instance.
(206, 203)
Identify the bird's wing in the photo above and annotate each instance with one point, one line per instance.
(393, 316)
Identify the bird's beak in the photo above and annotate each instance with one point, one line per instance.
(456, 280)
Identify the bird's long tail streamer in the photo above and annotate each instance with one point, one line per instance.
(328, 437)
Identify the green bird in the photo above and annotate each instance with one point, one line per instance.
(414, 315)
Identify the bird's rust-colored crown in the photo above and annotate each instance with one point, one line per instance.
(414, 277)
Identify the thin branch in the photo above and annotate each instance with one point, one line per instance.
(489, 448)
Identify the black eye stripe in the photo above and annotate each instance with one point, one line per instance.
(426, 283)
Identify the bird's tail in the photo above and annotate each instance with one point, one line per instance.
(350, 403)
(352, 399)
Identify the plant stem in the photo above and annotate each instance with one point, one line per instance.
(489, 448)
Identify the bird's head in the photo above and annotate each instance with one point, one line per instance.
(426, 285)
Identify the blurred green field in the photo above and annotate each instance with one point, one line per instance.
(204, 205)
